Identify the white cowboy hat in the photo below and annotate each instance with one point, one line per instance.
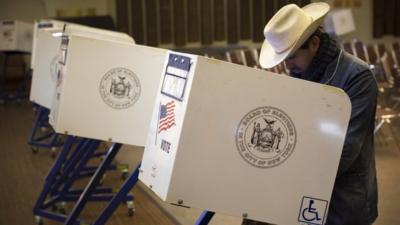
(288, 29)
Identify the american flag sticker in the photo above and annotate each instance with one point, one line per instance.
(166, 117)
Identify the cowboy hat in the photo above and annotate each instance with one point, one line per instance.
(288, 29)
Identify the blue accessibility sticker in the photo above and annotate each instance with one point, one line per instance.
(313, 211)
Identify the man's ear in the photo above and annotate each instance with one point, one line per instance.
(314, 43)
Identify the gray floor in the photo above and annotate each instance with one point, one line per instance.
(387, 154)
(16, 205)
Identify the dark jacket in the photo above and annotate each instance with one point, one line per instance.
(354, 197)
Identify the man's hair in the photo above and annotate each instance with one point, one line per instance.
(317, 33)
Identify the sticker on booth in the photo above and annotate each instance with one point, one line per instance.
(120, 88)
(266, 137)
(175, 77)
(166, 118)
(313, 211)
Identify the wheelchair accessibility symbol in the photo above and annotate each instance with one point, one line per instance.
(313, 211)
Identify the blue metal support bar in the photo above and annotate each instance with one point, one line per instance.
(205, 217)
(49, 139)
(73, 216)
(68, 167)
(52, 176)
(118, 198)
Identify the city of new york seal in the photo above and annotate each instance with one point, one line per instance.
(266, 137)
(120, 88)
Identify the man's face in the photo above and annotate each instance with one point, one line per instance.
(300, 60)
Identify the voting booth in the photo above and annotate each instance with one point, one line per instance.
(46, 54)
(339, 22)
(244, 142)
(45, 61)
(44, 26)
(106, 89)
(16, 36)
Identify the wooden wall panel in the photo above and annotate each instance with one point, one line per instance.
(165, 21)
(219, 20)
(152, 33)
(122, 16)
(245, 20)
(233, 19)
(206, 22)
(258, 21)
(138, 29)
(179, 22)
(193, 20)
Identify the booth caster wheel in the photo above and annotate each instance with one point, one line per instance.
(131, 208)
(53, 152)
(124, 174)
(54, 208)
(39, 220)
(62, 211)
(35, 150)
(62, 208)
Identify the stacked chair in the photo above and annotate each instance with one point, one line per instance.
(384, 64)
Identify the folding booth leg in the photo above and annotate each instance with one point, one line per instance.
(66, 169)
(48, 140)
(118, 198)
(38, 209)
(73, 216)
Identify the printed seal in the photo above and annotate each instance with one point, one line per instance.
(266, 137)
(120, 88)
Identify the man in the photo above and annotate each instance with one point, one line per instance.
(293, 35)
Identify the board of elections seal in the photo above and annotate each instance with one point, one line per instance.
(120, 88)
(266, 137)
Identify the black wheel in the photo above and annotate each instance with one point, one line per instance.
(35, 150)
(131, 208)
(124, 175)
(130, 212)
(63, 211)
(53, 151)
(54, 208)
(39, 220)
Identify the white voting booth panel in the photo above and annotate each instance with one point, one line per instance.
(44, 26)
(243, 141)
(339, 22)
(91, 32)
(15, 36)
(106, 90)
(45, 61)
(46, 55)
